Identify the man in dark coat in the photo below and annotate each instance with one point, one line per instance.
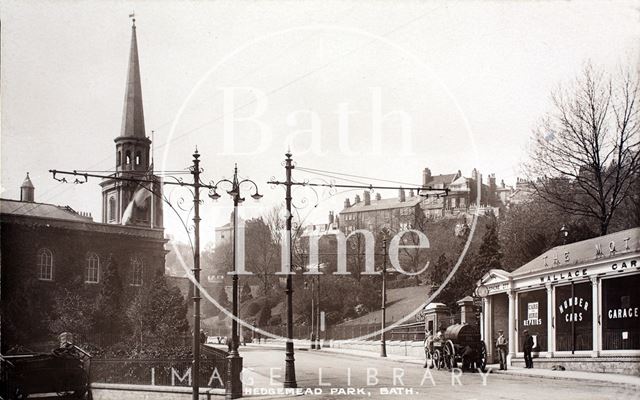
(528, 347)
(501, 346)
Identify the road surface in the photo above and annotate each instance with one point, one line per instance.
(341, 376)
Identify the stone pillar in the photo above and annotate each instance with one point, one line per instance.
(486, 326)
(512, 325)
(550, 328)
(595, 306)
(467, 314)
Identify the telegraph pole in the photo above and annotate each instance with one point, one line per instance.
(195, 171)
(197, 185)
(290, 369)
(233, 387)
(383, 343)
(290, 362)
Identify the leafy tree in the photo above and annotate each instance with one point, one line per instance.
(158, 313)
(109, 314)
(222, 297)
(245, 294)
(261, 252)
(436, 274)
(72, 312)
(23, 312)
(265, 315)
(528, 230)
(489, 254)
(587, 149)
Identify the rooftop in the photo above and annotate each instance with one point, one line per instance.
(583, 251)
(382, 204)
(41, 210)
(64, 217)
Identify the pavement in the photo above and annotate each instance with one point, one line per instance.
(616, 379)
(332, 373)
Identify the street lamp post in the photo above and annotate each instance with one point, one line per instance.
(564, 232)
(312, 332)
(195, 170)
(234, 385)
(147, 183)
(383, 343)
(315, 303)
(424, 191)
(290, 366)
(318, 343)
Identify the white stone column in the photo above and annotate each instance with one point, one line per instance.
(487, 321)
(550, 328)
(512, 325)
(595, 306)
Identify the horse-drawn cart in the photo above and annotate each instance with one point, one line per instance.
(64, 371)
(460, 344)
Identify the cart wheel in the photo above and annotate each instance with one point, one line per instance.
(446, 356)
(482, 357)
(437, 359)
(452, 355)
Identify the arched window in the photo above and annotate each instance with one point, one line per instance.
(138, 158)
(136, 271)
(93, 268)
(118, 158)
(127, 157)
(112, 209)
(45, 265)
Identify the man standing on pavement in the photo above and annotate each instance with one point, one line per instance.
(428, 343)
(528, 347)
(501, 345)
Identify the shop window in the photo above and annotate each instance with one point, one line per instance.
(93, 268)
(574, 311)
(532, 316)
(621, 313)
(45, 265)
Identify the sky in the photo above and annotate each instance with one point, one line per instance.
(373, 89)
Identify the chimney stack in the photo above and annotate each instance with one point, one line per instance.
(401, 195)
(367, 198)
(356, 200)
(426, 177)
(411, 193)
(378, 197)
(347, 203)
(27, 190)
(330, 217)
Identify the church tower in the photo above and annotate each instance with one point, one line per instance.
(131, 203)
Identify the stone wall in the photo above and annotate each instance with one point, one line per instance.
(610, 365)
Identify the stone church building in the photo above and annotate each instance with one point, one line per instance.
(47, 248)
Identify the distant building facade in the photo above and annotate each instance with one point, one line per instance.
(465, 197)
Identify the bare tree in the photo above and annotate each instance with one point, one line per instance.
(585, 155)
(262, 252)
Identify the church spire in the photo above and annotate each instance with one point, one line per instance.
(133, 114)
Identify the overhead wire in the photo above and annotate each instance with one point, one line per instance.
(279, 88)
(322, 172)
